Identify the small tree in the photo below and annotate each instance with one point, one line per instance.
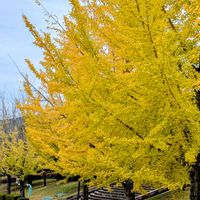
(17, 157)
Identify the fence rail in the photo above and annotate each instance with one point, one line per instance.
(116, 193)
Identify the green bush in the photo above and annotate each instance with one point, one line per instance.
(12, 197)
(23, 198)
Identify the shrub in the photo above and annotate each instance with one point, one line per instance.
(23, 198)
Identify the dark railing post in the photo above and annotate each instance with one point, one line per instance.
(22, 193)
(9, 182)
(195, 181)
(79, 185)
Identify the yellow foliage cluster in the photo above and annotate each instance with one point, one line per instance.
(17, 158)
(118, 92)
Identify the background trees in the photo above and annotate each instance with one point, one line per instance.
(17, 158)
(117, 96)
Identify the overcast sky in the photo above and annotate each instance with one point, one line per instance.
(16, 41)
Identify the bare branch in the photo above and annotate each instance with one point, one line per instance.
(26, 80)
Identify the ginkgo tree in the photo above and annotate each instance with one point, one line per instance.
(117, 98)
(17, 159)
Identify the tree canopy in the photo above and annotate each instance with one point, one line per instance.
(117, 98)
(17, 158)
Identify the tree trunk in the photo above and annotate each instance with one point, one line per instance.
(128, 186)
(29, 180)
(9, 181)
(85, 192)
(45, 178)
(22, 192)
(130, 195)
(195, 181)
(78, 195)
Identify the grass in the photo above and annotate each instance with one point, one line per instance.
(53, 189)
(173, 195)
